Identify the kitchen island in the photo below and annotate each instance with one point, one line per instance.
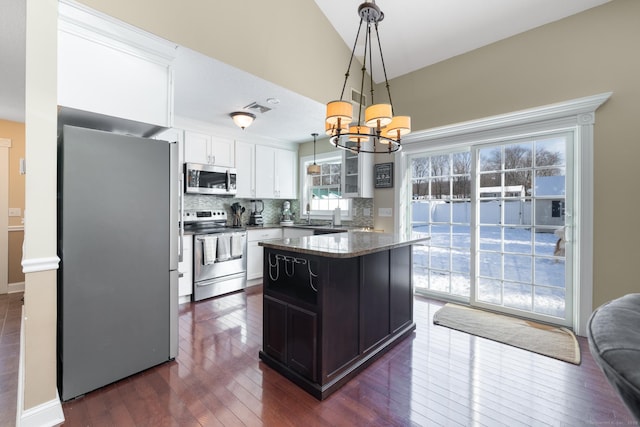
(333, 304)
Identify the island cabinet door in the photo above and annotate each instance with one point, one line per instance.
(401, 291)
(302, 342)
(340, 322)
(374, 297)
(275, 329)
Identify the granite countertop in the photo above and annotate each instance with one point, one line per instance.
(309, 226)
(342, 245)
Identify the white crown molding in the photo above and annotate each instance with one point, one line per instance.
(35, 265)
(82, 21)
(582, 108)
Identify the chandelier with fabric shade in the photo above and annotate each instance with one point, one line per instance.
(379, 125)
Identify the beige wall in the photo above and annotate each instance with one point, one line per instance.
(15, 132)
(15, 258)
(39, 350)
(590, 53)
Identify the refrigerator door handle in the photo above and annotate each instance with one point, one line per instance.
(181, 228)
(173, 216)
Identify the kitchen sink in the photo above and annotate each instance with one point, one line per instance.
(305, 225)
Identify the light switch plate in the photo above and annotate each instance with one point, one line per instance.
(15, 212)
(385, 212)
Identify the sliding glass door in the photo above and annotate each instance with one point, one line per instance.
(498, 216)
(441, 208)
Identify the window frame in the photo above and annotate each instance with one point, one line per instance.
(573, 115)
(346, 214)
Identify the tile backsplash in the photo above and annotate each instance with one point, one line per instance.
(273, 208)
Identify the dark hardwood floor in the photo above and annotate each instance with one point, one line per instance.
(437, 376)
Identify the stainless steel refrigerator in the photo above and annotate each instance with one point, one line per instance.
(117, 241)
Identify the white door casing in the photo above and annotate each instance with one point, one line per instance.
(5, 144)
(576, 115)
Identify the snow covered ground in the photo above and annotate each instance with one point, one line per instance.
(517, 270)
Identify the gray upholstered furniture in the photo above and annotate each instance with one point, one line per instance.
(614, 341)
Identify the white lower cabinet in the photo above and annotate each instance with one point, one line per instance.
(255, 251)
(185, 267)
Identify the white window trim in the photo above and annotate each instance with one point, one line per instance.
(345, 215)
(577, 115)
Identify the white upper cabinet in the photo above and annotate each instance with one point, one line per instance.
(207, 149)
(245, 168)
(269, 172)
(357, 174)
(286, 166)
(108, 67)
(265, 172)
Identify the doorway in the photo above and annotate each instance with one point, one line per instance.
(497, 214)
(5, 144)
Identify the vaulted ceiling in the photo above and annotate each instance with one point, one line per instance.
(413, 34)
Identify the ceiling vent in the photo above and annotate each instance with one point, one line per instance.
(358, 98)
(255, 107)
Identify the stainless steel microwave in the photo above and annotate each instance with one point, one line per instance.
(209, 179)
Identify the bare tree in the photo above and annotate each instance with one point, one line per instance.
(461, 163)
(518, 165)
(440, 169)
(420, 175)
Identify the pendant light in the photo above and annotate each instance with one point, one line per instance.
(379, 125)
(314, 169)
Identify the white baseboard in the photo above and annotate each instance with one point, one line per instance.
(44, 415)
(16, 287)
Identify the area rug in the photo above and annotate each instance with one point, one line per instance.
(557, 342)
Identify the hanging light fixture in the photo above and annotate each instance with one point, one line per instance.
(313, 169)
(379, 123)
(242, 119)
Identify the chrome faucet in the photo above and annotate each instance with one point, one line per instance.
(308, 214)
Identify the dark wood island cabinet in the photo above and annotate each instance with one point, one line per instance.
(333, 304)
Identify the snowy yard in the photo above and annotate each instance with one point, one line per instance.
(509, 266)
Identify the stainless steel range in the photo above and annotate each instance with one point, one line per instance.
(219, 253)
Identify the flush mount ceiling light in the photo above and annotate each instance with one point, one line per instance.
(242, 119)
(313, 169)
(379, 123)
